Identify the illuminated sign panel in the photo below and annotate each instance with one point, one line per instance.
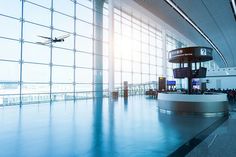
(192, 54)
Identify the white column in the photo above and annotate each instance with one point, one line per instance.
(111, 45)
(165, 57)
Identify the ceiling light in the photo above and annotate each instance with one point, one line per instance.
(232, 2)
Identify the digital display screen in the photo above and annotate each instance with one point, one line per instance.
(171, 82)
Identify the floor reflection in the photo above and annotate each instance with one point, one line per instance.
(95, 128)
(97, 140)
(125, 104)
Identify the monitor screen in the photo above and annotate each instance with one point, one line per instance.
(171, 83)
(195, 82)
(182, 72)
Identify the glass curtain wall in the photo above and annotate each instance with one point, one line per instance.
(49, 51)
(138, 53)
(35, 69)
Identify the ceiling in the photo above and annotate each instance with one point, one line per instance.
(214, 17)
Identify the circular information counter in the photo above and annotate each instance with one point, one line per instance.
(209, 105)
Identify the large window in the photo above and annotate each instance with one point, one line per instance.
(138, 51)
(33, 70)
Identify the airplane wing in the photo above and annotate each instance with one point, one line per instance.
(44, 37)
(44, 43)
(63, 36)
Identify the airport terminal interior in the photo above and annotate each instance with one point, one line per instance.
(117, 78)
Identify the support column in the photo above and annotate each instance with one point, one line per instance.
(111, 46)
(165, 57)
(190, 79)
(74, 50)
(21, 50)
(51, 55)
(98, 47)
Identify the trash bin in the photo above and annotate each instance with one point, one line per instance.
(115, 94)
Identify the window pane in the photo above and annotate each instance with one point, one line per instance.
(153, 78)
(62, 74)
(62, 57)
(145, 48)
(159, 52)
(127, 77)
(137, 67)
(137, 56)
(145, 58)
(8, 88)
(153, 70)
(118, 78)
(145, 68)
(84, 75)
(84, 44)
(137, 78)
(63, 22)
(159, 43)
(10, 50)
(10, 28)
(66, 7)
(37, 14)
(152, 50)
(62, 88)
(136, 45)
(81, 11)
(36, 53)
(126, 66)
(145, 78)
(84, 60)
(159, 71)
(11, 8)
(84, 29)
(35, 88)
(152, 40)
(83, 87)
(36, 73)
(136, 34)
(153, 60)
(159, 62)
(117, 65)
(11, 73)
(126, 30)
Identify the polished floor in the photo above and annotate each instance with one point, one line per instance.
(221, 142)
(95, 128)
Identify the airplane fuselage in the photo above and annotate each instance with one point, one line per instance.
(53, 40)
(57, 40)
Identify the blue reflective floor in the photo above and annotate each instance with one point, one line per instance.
(100, 128)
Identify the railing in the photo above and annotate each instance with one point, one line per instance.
(36, 98)
(137, 89)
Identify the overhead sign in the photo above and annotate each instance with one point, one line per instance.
(190, 54)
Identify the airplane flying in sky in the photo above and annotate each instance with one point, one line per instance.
(53, 40)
